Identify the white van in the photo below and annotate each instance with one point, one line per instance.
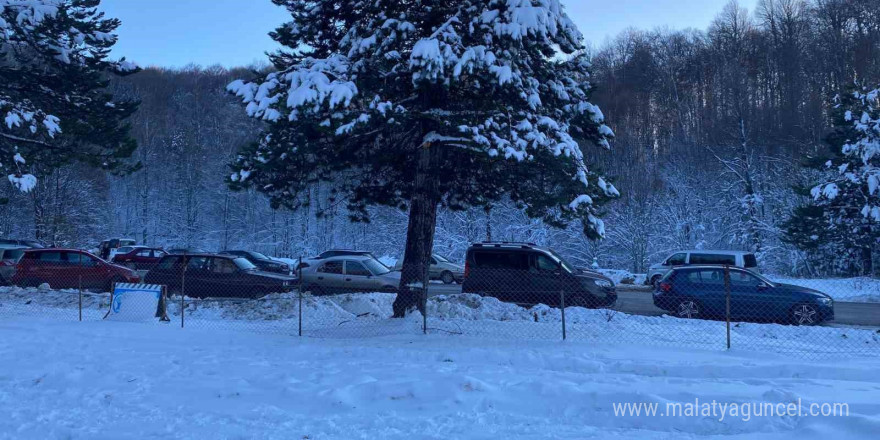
(743, 259)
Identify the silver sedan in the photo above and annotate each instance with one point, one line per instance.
(349, 274)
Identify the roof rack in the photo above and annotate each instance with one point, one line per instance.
(499, 244)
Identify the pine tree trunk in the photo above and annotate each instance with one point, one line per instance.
(419, 234)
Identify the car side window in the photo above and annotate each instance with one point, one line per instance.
(676, 260)
(706, 277)
(433, 260)
(50, 258)
(749, 261)
(159, 254)
(502, 260)
(357, 269)
(331, 267)
(196, 263)
(223, 266)
(743, 279)
(167, 263)
(81, 260)
(545, 263)
(144, 253)
(713, 259)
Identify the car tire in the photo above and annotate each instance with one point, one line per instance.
(388, 289)
(688, 309)
(655, 279)
(447, 277)
(114, 280)
(804, 314)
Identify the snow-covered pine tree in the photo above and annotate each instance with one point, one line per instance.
(53, 66)
(844, 214)
(416, 104)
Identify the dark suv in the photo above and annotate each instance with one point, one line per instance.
(212, 275)
(526, 274)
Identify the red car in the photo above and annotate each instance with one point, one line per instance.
(139, 258)
(67, 268)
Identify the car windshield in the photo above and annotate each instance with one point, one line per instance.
(441, 259)
(244, 264)
(565, 264)
(376, 267)
(259, 256)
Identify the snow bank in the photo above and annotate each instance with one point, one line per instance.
(361, 315)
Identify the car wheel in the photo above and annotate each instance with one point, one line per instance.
(447, 277)
(805, 314)
(388, 289)
(114, 280)
(688, 309)
(655, 279)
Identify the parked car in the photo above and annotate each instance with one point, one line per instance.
(67, 268)
(745, 260)
(312, 261)
(214, 275)
(526, 274)
(9, 256)
(138, 257)
(262, 262)
(441, 269)
(700, 292)
(182, 251)
(32, 244)
(351, 273)
(108, 247)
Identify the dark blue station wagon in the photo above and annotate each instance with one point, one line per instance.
(700, 292)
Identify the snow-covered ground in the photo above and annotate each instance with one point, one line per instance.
(119, 380)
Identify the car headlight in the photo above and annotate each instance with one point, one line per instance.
(286, 283)
(825, 301)
(605, 284)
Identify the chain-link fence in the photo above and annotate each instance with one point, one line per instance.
(699, 307)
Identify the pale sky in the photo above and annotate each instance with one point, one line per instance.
(175, 33)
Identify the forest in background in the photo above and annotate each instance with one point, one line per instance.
(713, 128)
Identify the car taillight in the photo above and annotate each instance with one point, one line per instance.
(467, 268)
(666, 287)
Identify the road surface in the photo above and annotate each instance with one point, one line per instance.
(637, 300)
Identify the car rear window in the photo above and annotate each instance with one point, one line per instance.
(750, 260)
(13, 254)
(713, 259)
(501, 260)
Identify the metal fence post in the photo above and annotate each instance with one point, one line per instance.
(80, 298)
(727, 302)
(80, 277)
(183, 289)
(425, 311)
(300, 289)
(562, 307)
